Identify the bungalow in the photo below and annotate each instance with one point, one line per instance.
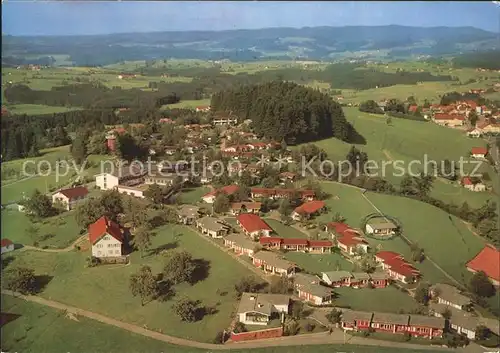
(259, 308)
(350, 244)
(380, 227)
(294, 244)
(469, 184)
(245, 207)
(320, 246)
(337, 278)
(106, 238)
(253, 226)
(271, 242)
(450, 296)
(302, 279)
(315, 294)
(465, 325)
(308, 209)
(426, 326)
(479, 152)
(228, 190)
(70, 197)
(475, 132)
(379, 279)
(394, 323)
(136, 191)
(240, 244)
(7, 245)
(188, 214)
(487, 261)
(355, 320)
(162, 180)
(212, 227)
(396, 267)
(273, 263)
(359, 279)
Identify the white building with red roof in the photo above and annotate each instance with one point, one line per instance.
(253, 226)
(479, 152)
(203, 108)
(7, 245)
(468, 183)
(487, 261)
(451, 120)
(106, 238)
(228, 190)
(68, 198)
(308, 209)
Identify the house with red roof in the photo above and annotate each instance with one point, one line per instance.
(451, 120)
(413, 108)
(471, 185)
(350, 243)
(253, 226)
(294, 244)
(106, 238)
(297, 244)
(203, 108)
(397, 267)
(487, 261)
(228, 190)
(340, 229)
(479, 152)
(308, 210)
(7, 245)
(69, 198)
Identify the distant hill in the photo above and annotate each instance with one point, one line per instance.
(318, 43)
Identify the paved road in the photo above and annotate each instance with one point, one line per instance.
(337, 337)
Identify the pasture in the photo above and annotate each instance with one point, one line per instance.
(91, 288)
(36, 109)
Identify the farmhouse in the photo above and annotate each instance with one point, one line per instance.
(449, 120)
(228, 190)
(245, 207)
(377, 226)
(487, 261)
(106, 238)
(273, 263)
(7, 245)
(188, 214)
(240, 244)
(355, 320)
(253, 226)
(392, 323)
(212, 227)
(450, 296)
(308, 209)
(479, 152)
(70, 197)
(259, 308)
(469, 184)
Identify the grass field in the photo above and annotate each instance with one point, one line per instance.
(32, 109)
(406, 141)
(91, 288)
(193, 195)
(389, 299)
(43, 330)
(187, 104)
(59, 231)
(317, 263)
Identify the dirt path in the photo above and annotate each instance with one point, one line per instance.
(67, 249)
(337, 337)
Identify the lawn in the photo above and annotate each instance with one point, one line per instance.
(405, 141)
(193, 195)
(92, 288)
(59, 231)
(42, 329)
(284, 231)
(389, 299)
(317, 263)
(191, 104)
(37, 109)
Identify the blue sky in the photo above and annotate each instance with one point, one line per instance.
(86, 17)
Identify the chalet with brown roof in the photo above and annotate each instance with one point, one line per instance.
(69, 198)
(106, 238)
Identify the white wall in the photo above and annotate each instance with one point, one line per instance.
(106, 181)
(107, 247)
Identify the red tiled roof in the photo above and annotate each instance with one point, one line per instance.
(270, 240)
(388, 255)
(310, 207)
(413, 108)
(72, 193)
(320, 243)
(6, 242)
(350, 240)
(448, 117)
(294, 241)
(487, 261)
(466, 181)
(479, 150)
(341, 228)
(102, 227)
(252, 223)
(403, 268)
(228, 190)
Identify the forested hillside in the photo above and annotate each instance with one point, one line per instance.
(485, 60)
(286, 111)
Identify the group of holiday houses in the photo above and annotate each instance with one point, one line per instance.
(397, 267)
(338, 279)
(297, 244)
(414, 325)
